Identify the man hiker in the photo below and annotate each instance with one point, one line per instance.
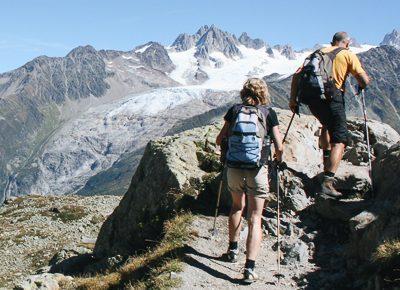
(320, 84)
(247, 128)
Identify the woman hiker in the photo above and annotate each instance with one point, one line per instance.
(247, 129)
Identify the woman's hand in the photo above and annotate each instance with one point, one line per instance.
(277, 143)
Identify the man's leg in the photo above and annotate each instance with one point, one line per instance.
(324, 141)
(337, 128)
(335, 157)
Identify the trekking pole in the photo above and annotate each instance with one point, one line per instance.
(214, 230)
(296, 111)
(367, 136)
(366, 130)
(278, 275)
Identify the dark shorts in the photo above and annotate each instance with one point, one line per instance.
(332, 115)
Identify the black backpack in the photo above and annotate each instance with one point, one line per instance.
(315, 79)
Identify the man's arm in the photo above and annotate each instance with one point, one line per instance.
(357, 71)
(362, 79)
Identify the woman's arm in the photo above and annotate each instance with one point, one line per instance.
(222, 134)
(277, 143)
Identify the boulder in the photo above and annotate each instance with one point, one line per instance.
(379, 222)
(171, 167)
(296, 253)
(45, 281)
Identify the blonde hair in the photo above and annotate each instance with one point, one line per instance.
(255, 92)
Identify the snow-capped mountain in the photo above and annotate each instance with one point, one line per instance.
(217, 59)
(65, 121)
(392, 39)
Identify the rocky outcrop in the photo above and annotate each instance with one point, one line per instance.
(169, 167)
(392, 39)
(379, 222)
(249, 42)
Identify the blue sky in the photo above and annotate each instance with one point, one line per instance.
(47, 27)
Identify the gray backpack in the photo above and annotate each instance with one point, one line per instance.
(315, 78)
(246, 139)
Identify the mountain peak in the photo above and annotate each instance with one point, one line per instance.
(249, 42)
(286, 50)
(392, 39)
(81, 50)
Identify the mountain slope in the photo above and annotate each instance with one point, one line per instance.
(37, 98)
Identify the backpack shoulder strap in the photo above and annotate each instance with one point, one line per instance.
(264, 112)
(332, 54)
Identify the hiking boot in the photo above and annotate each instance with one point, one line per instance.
(327, 188)
(249, 276)
(231, 256)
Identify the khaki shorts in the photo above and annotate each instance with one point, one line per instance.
(250, 181)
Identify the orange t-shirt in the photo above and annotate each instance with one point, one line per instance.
(344, 63)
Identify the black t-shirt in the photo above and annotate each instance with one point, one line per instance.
(272, 118)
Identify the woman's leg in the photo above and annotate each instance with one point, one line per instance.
(256, 206)
(235, 216)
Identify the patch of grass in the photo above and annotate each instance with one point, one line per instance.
(151, 270)
(387, 251)
(97, 219)
(386, 261)
(70, 213)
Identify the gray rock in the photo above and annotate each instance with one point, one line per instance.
(352, 179)
(296, 253)
(42, 282)
(296, 199)
(362, 220)
(342, 210)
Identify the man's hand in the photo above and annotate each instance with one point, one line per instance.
(359, 89)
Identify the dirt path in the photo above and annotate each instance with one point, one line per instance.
(204, 269)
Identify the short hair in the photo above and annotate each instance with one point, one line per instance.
(255, 92)
(339, 37)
